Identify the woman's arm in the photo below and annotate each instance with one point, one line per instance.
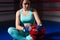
(18, 21)
(36, 17)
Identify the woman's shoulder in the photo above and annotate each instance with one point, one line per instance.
(33, 9)
(19, 10)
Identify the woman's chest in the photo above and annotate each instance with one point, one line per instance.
(28, 17)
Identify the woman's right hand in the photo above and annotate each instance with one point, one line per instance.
(27, 29)
(19, 28)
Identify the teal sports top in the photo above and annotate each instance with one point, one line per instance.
(28, 19)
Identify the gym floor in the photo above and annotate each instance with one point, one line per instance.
(52, 30)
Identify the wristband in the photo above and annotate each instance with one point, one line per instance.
(39, 27)
(26, 29)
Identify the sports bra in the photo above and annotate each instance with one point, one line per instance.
(28, 19)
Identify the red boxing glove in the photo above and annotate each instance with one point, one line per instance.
(33, 32)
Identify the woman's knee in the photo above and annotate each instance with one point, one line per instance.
(29, 37)
(11, 30)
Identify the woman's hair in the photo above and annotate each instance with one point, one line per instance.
(21, 1)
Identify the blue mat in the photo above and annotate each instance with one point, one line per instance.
(52, 30)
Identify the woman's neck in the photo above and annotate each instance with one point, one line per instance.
(25, 9)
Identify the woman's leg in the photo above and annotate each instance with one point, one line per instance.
(19, 35)
(29, 37)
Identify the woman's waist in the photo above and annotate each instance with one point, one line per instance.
(27, 24)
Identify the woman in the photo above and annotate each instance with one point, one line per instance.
(26, 16)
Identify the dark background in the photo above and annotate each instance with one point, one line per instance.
(49, 13)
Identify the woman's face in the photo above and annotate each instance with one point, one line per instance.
(26, 4)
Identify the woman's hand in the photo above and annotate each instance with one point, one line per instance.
(27, 29)
(19, 28)
(38, 28)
